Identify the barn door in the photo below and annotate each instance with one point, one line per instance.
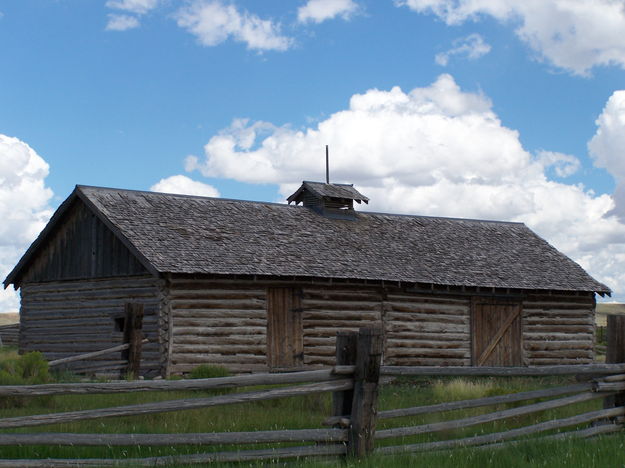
(496, 332)
(285, 344)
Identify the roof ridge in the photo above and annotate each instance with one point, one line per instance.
(285, 205)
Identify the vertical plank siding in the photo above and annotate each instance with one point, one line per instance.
(65, 318)
(558, 329)
(220, 323)
(82, 247)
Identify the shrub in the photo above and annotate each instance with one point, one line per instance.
(29, 368)
(208, 371)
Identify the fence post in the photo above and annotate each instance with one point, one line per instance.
(365, 399)
(133, 335)
(345, 356)
(615, 353)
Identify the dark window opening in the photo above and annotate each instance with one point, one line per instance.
(120, 323)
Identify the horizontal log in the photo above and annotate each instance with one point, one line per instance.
(562, 353)
(426, 362)
(197, 358)
(221, 340)
(486, 401)
(510, 434)
(428, 352)
(580, 369)
(219, 322)
(204, 331)
(317, 314)
(247, 303)
(421, 317)
(217, 457)
(221, 294)
(489, 417)
(427, 344)
(113, 304)
(216, 313)
(178, 369)
(213, 438)
(425, 299)
(222, 349)
(531, 328)
(327, 331)
(568, 313)
(559, 345)
(555, 336)
(175, 405)
(542, 362)
(559, 321)
(426, 326)
(608, 386)
(338, 305)
(407, 335)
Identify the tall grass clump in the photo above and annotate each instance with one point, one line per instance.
(462, 389)
(29, 368)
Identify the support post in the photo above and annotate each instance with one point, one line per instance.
(133, 335)
(615, 353)
(365, 399)
(345, 356)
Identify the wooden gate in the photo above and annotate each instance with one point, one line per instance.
(285, 344)
(496, 332)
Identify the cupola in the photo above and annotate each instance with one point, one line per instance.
(330, 200)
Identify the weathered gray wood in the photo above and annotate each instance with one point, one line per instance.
(487, 401)
(200, 458)
(82, 357)
(133, 335)
(489, 417)
(325, 375)
(253, 437)
(365, 398)
(511, 434)
(175, 405)
(615, 353)
(345, 356)
(582, 369)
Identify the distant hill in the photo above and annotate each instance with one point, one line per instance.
(12, 317)
(608, 308)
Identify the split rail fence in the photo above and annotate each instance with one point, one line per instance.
(355, 384)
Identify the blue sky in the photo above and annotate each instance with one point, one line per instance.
(495, 109)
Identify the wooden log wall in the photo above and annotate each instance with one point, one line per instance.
(220, 323)
(558, 329)
(9, 334)
(64, 318)
(224, 322)
(426, 330)
(327, 310)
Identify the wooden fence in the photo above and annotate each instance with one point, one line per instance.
(354, 383)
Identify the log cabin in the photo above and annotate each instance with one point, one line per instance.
(264, 286)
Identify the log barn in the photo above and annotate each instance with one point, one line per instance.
(264, 286)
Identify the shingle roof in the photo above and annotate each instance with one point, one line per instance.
(186, 234)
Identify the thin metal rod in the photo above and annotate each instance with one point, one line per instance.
(327, 166)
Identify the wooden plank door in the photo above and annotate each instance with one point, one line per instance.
(285, 343)
(496, 332)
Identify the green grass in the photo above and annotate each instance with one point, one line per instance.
(310, 411)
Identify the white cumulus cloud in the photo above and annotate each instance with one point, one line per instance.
(139, 7)
(213, 22)
(575, 35)
(435, 150)
(24, 208)
(607, 146)
(121, 22)
(184, 185)
(317, 11)
(472, 47)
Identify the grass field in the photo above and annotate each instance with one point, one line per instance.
(310, 411)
